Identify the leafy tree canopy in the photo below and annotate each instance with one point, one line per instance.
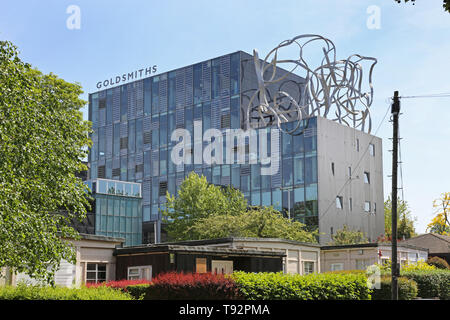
(348, 236)
(204, 211)
(42, 139)
(256, 222)
(441, 222)
(405, 221)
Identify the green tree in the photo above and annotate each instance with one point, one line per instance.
(202, 210)
(445, 4)
(198, 199)
(405, 221)
(348, 236)
(441, 222)
(264, 222)
(42, 140)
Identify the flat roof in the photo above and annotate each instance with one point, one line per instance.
(196, 249)
(86, 236)
(240, 239)
(370, 245)
(186, 66)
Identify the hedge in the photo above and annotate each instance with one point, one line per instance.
(187, 286)
(26, 292)
(279, 286)
(438, 262)
(407, 289)
(431, 284)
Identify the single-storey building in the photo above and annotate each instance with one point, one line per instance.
(300, 257)
(147, 261)
(438, 245)
(95, 262)
(360, 256)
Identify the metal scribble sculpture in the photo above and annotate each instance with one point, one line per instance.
(333, 89)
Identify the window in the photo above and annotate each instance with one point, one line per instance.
(332, 168)
(361, 264)
(337, 266)
(298, 170)
(367, 177)
(374, 208)
(123, 143)
(141, 272)
(372, 149)
(339, 201)
(367, 206)
(308, 267)
(101, 172)
(350, 204)
(200, 265)
(225, 121)
(350, 172)
(95, 272)
(162, 188)
(357, 145)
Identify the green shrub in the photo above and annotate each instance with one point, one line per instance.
(407, 289)
(431, 284)
(279, 286)
(27, 292)
(438, 263)
(187, 286)
(138, 291)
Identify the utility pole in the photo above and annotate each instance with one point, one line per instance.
(395, 110)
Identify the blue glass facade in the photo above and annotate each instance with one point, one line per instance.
(133, 124)
(117, 209)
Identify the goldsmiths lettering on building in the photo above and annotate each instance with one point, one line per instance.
(127, 76)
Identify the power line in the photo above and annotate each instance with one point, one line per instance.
(436, 95)
(359, 162)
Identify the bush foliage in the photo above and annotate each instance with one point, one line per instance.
(279, 286)
(431, 284)
(438, 263)
(26, 292)
(407, 289)
(188, 286)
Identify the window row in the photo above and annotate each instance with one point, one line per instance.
(369, 207)
(209, 80)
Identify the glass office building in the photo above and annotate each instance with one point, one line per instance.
(133, 124)
(117, 209)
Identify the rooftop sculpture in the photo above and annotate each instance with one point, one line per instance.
(332, 89)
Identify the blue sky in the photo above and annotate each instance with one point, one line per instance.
(412, 47)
